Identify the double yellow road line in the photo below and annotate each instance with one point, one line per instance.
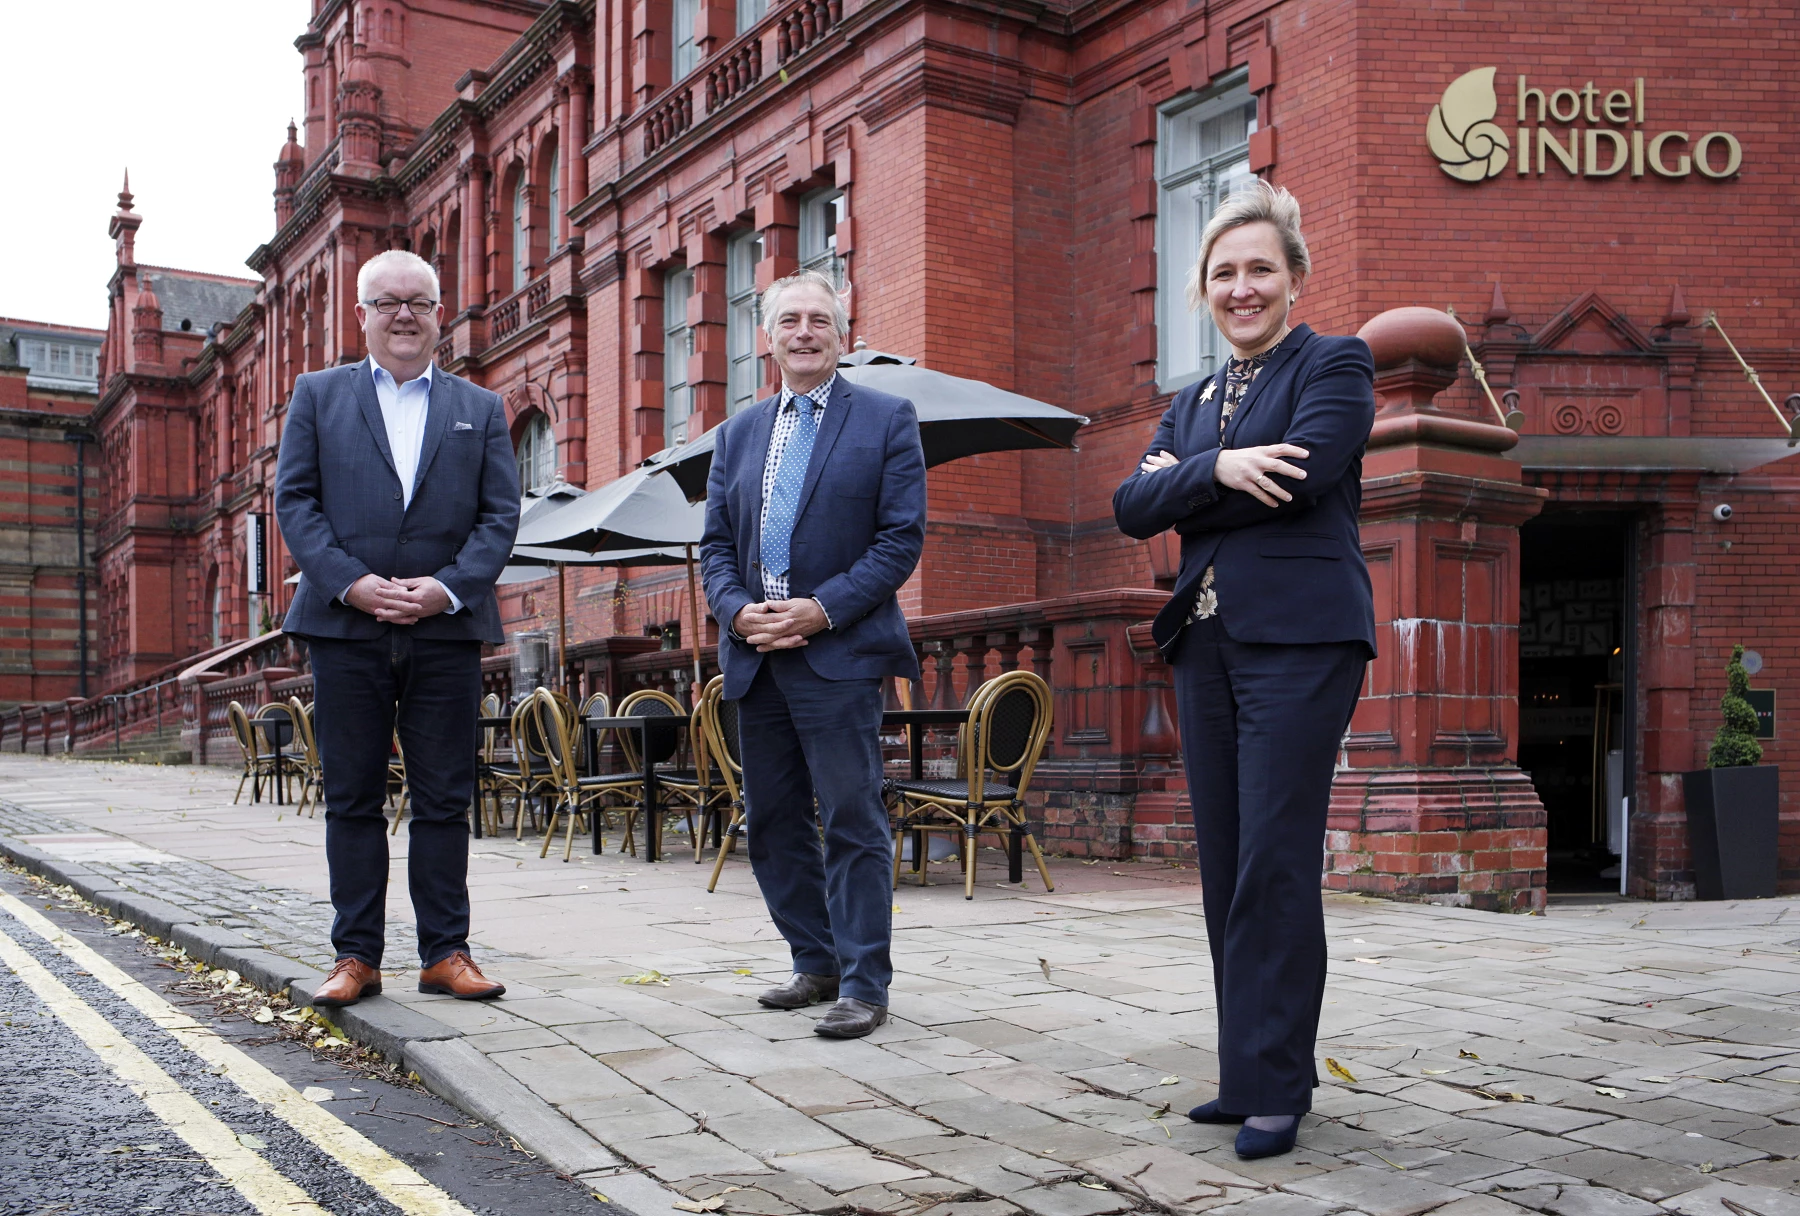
(261, 1184)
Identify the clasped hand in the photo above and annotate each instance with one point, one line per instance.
(779, 624)
(398, 601)
(1246, 469)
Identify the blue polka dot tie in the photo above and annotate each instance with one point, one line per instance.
(784, 497)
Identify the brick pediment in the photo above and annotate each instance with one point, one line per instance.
(1589, 325)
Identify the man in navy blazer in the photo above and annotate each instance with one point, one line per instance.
(815, 516)
(398, 497)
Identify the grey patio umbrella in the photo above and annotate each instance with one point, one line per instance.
(638, 511)
(957, 417)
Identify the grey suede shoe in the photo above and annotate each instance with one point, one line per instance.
(850, 1019)
(800, 991)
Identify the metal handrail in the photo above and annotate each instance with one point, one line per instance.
(1511, 419)
(112, 700)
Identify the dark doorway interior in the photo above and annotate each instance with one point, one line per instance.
(1575, 644)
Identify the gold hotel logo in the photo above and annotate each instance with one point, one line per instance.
(1602, 134)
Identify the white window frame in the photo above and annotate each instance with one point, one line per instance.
(521, 246)
(820, 214)
(1189, 346)
(743, 316)
(678, 344)
(46, 359)
(749, 12)
(555, 193)
(684, 55)
(537, 454)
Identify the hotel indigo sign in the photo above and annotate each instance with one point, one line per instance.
(1585, 132)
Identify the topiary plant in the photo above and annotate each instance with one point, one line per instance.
(1735, 745)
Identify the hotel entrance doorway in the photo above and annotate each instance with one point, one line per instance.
(1577, 609)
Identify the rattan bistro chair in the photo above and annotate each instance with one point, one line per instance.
(268, 725)
(722, 743)
(257, 765)
(312, 772)
(997, 752)
(647, 703)
(575, 796)
(511, 773)
(698, 790)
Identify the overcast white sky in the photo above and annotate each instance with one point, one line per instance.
(195, 99)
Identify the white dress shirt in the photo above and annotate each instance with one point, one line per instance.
(404, 408)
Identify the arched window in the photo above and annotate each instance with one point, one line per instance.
(521, 251)
(556, 219)
(537, 454)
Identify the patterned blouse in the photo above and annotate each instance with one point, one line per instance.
(1239, 374)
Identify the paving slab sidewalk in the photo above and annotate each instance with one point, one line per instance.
(1604, 1060)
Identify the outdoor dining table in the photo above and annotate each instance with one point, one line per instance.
(651, 803)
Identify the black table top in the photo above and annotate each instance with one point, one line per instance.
(636, 722)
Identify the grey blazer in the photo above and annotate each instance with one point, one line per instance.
(337, 498)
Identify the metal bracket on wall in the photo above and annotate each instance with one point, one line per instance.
(1793, 399)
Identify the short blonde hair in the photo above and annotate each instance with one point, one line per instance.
(1254, 202)
(394, 257)
(840, 310)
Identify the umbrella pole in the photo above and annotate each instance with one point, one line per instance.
(562, 629)
(694, 611)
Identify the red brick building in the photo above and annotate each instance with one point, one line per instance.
(1013, 193)
(49, 380)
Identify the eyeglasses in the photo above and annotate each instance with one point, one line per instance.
(388, 306)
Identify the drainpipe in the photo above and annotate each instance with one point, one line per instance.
(79, 439)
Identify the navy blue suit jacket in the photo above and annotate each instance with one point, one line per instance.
(857, 535)
(337, 497)
(1289, 574)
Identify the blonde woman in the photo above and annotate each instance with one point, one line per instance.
(1258, 468)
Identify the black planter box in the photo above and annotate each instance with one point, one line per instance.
(1733, 828)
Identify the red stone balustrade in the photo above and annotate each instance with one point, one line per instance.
(668, 119)
(738, 69)
(804, 25)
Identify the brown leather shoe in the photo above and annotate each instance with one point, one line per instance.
(458, 976)
(349, 982)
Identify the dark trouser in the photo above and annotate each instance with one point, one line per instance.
(430, 691)
(1260, 730)
(804, 735)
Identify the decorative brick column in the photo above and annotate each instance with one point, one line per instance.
(1433, 806)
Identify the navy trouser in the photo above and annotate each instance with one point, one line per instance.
(804, 735)
(430, 691)
(1260, 730)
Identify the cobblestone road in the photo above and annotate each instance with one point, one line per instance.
(1614, 1060)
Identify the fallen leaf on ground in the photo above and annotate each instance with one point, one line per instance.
(705, 1205)
(1395, 1164)
(646, 977)
(1373, 962)
(1044, 966)
(1434, 1072)
(896, 907)
(741, 971)
(263, 1016)
(1660, 1080)
(1501, 1095)
(1609, 1091)
(1466, 1055)
(249, 1141)
(1170, 1081)
(1338, 1070)
(601, 1198)
(317, 1093)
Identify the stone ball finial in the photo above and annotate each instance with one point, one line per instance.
(1427, 335)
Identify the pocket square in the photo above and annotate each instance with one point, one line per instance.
(462, 426)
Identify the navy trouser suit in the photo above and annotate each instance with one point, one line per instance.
(1265, 688)
(810, 718)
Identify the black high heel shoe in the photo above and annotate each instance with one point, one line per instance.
(1254, 1142)
(1209, 1112)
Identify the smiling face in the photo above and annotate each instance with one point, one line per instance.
(1249, 287)
(402, 342)
(803, 336)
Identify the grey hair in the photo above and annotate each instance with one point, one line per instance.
(771, 299)
(1254, 202)
(395, 257)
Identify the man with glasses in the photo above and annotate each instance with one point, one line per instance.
(399, 499)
